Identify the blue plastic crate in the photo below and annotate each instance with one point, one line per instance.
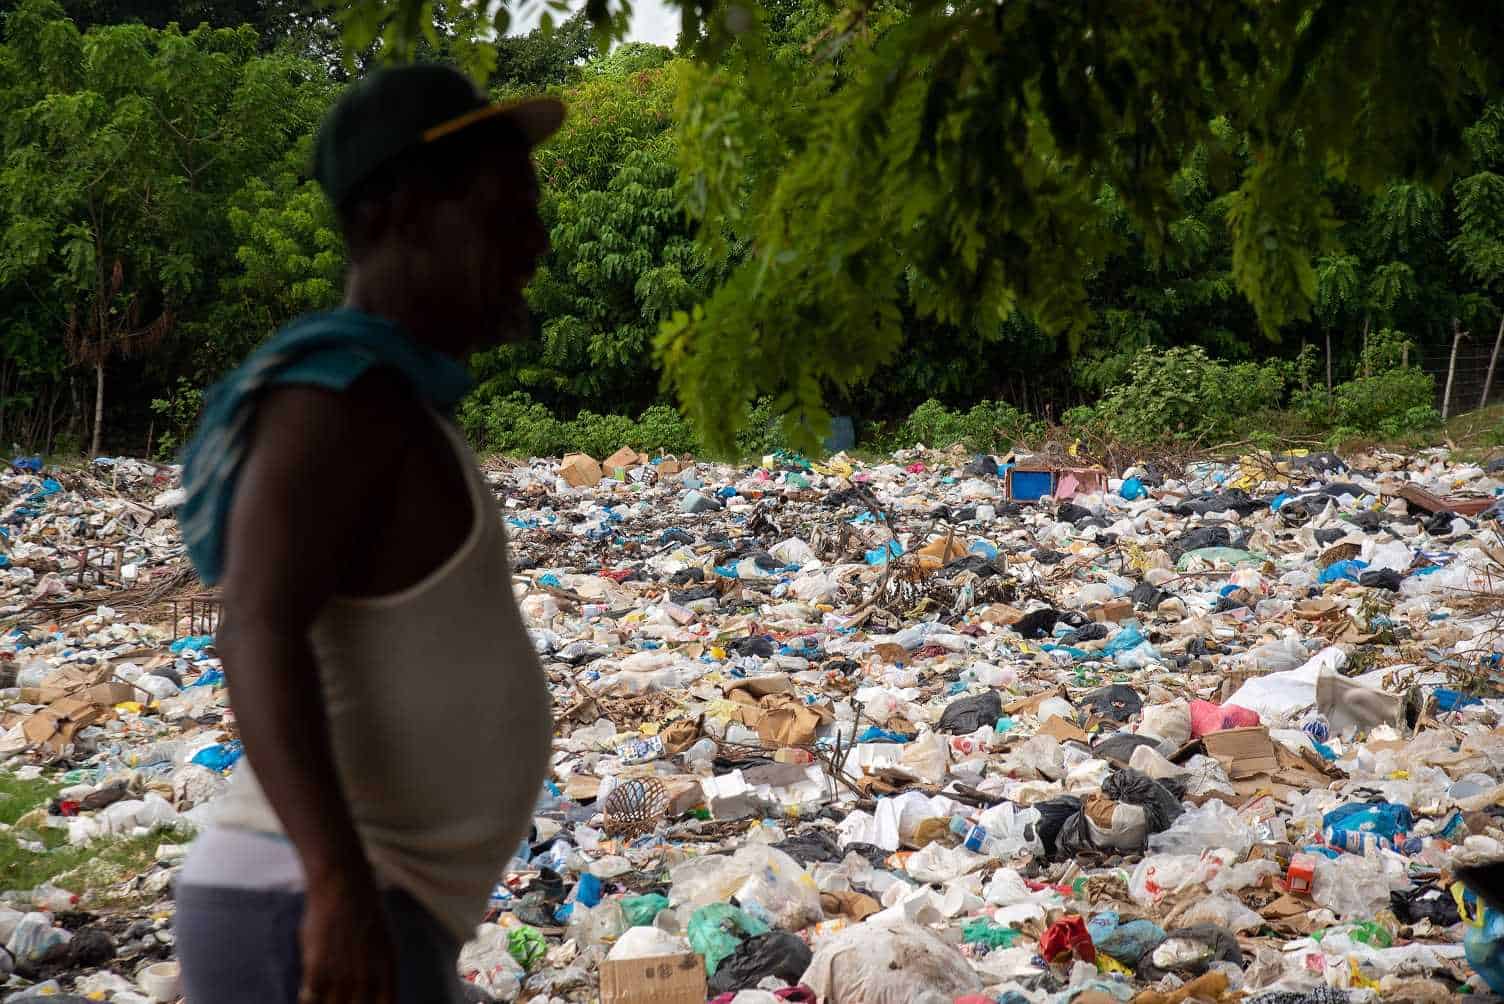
(1030, 486)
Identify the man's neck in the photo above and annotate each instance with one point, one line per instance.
(368, 293)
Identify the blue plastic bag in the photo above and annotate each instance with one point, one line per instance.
(1132, 490)
(1358, 826)
(880, 555)
(219, 757)
(1341, 570)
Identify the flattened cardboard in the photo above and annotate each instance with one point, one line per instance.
(1243, 752)
(754, 688)
(1063, 730)
(664, 979)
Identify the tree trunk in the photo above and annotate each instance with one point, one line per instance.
(98, 406)
(1329, 363)
(1446, 396)
(1366, 371)
(1488, 381)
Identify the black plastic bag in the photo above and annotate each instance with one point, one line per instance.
(1425, 902)
(967, 714)
(1116, 701)
(981, 466)
(1037, 623)
(1069, 512)
(1195, 540)
(1052, 818)
(1380, 578)
(1147, 596)
(777, 953)
(1161, 807)
(1120, 746)
(1222, 946)
(812, 846)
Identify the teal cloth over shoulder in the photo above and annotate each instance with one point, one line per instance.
(330, 350)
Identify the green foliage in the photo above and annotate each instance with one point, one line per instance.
(961, 147)
(1183, 394)
(179, 414)
(987, 427)
(516, 425)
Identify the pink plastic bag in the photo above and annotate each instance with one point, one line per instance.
(1208, 716)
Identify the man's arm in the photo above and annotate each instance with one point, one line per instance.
(303, 492)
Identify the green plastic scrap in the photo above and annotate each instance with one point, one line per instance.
(716, 930)
(526, 945)
(1365, 932)
(982, 931)
(1231, 555)
(640, 911)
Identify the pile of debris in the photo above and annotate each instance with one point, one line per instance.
(941, 728)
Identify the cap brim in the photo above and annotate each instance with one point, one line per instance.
(535, 118)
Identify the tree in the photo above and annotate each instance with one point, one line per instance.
(117, 163)
(623, 255)
(969, 139)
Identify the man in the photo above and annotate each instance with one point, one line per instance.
(395, 719)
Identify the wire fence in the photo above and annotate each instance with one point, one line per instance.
(1471, 374)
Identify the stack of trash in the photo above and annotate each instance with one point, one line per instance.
(936, 728)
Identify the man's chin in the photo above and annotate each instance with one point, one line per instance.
(509, 324)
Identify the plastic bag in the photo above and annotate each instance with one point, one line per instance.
(486, 962)
(766, 881)
(967, 714)
(899, 964)
(640, 911)
(716, 930)
(1354, 887)
(1169, 722)
(778, 954)
(645, 943)
(1223, 910)
(927, 758)
(1039, 757)
(1213, 825)
(1159, 875)
(1207, 716)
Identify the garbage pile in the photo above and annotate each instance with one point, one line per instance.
(939, 728)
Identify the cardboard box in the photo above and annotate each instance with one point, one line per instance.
(665, 979)
(579, 470)
(1243, 752)
(623, 459)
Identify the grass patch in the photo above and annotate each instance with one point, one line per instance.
(105, 862)
(18, 797)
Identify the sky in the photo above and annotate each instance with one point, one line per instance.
(652, 20)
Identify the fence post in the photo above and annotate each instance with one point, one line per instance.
(1446, 398)
(1488, 381)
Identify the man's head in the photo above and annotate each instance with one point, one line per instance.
(435, 192)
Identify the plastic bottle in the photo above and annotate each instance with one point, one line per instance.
(973, 837)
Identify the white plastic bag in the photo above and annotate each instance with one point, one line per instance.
(897, 964)
(926, 758)
(1223, 910)
(485, 961)
(763, 879)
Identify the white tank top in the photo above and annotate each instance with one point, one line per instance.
(440, 722)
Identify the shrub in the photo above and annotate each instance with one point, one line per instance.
(762, 432)
(1391, 404)
(988, 427)
(514, 424)
(517, 425)
(1183, 393)
(180, 414)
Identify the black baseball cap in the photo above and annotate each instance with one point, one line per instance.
(395, 109)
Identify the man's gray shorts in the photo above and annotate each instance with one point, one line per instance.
(240, 946)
